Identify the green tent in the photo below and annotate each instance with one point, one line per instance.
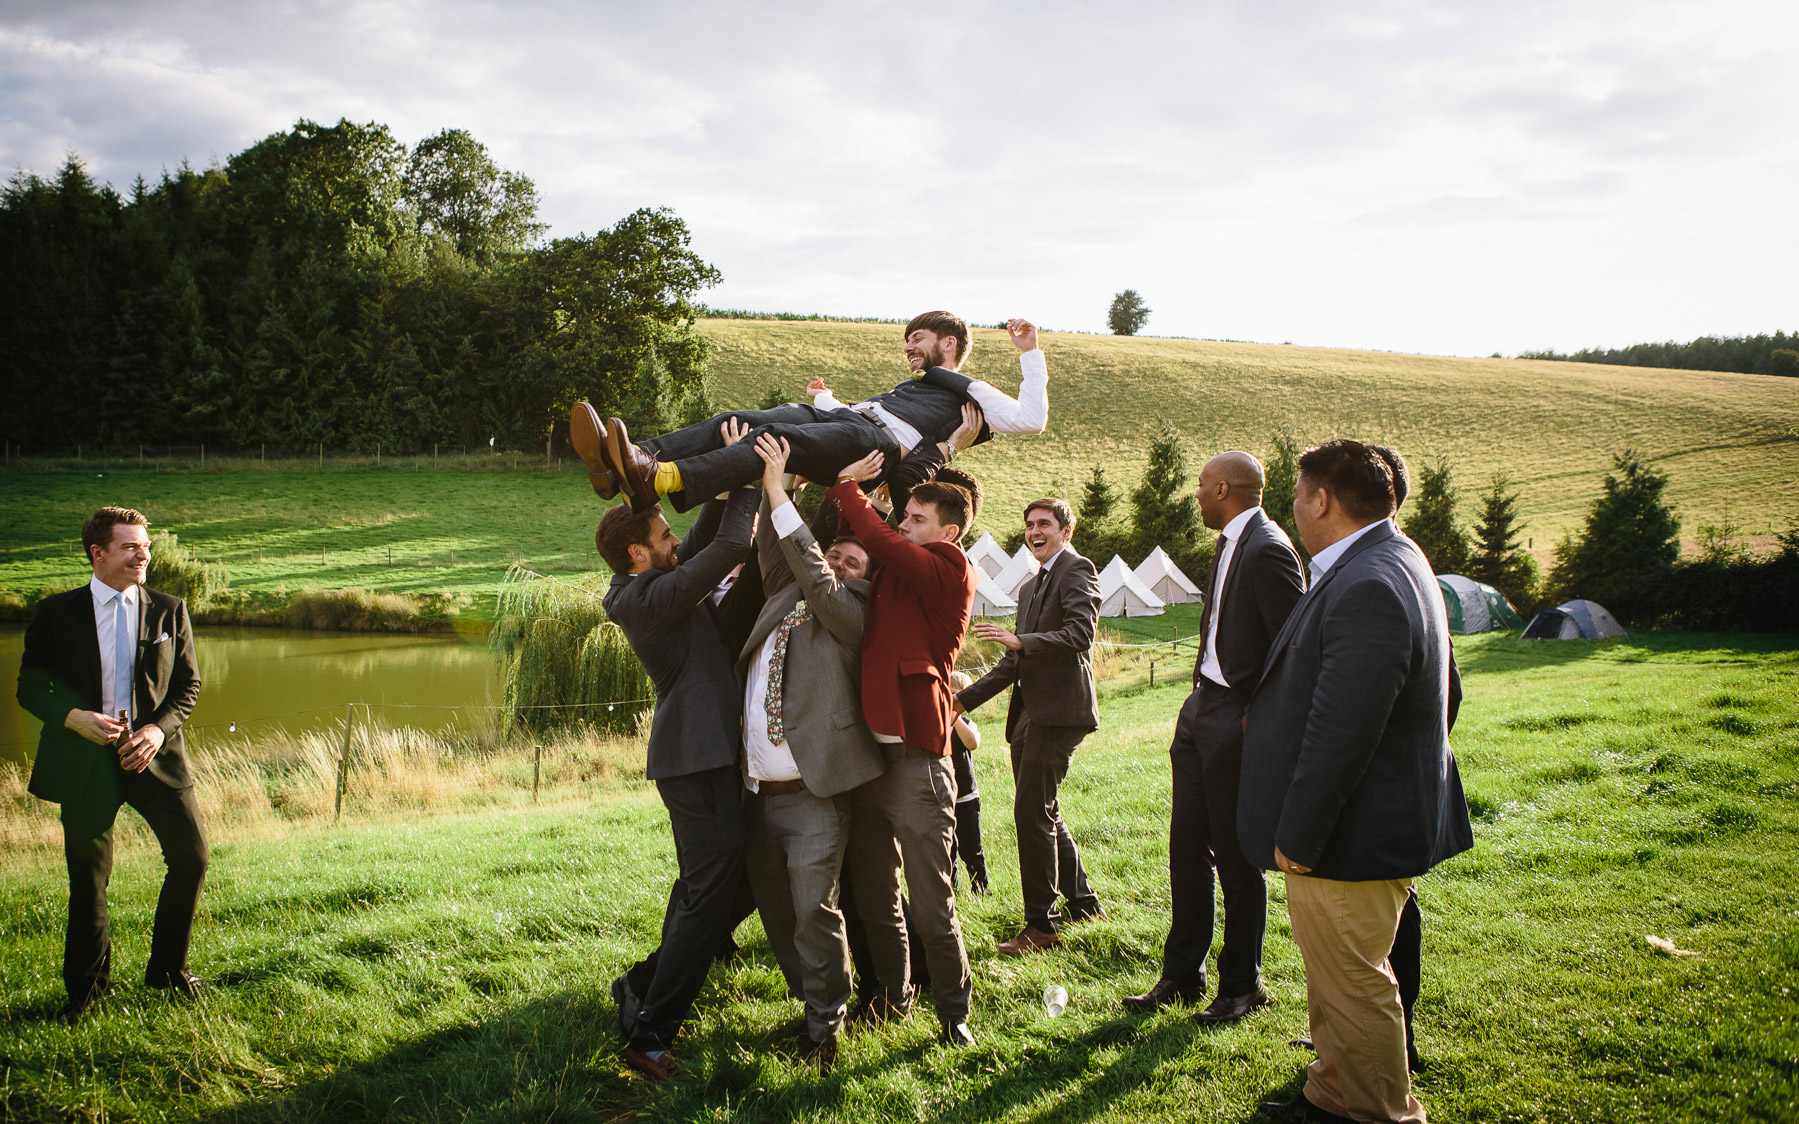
(1476, 606)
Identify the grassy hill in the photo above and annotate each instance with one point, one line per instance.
(1729, 442)
(1551, 426)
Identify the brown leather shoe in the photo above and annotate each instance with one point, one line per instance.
(1166, 993)
(662, 1068)
(587, 434)
(632, 468)
(1029, 939)
(1229, 1010)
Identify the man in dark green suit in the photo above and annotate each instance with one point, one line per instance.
(108, 649)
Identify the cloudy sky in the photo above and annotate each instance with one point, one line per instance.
(1457, 178)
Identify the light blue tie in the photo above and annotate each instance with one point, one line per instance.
(121, 655)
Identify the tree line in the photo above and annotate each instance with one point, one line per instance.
(1776, 354)
(330, 284)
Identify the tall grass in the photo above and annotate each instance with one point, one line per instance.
(177, 570)
(562, 662)
(255, 784)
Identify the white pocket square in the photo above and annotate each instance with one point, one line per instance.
(161, 639)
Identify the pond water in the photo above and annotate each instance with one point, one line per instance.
(269, 679)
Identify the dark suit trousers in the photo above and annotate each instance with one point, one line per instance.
(1207, 755)
(1049, 865)
(822, 442)
(174, 817)
(705, 810)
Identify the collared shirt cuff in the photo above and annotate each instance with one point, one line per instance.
(787, 519)
(1032, 363)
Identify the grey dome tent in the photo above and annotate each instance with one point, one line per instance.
(1476, 606)
(1574, 620)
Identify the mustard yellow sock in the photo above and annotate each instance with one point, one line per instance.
(668, 477)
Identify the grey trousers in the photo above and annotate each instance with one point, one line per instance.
(908, 815)
(796, 846)
(1049, 865)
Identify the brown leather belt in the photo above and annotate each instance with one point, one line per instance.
(781, 788)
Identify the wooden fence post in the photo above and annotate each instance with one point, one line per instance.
(321, 456)
(536, 769)
(343, 759)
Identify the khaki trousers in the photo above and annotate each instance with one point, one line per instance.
(1344, 931)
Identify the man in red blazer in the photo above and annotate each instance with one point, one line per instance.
(920, 589)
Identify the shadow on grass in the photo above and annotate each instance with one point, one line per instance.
(1512, 653)
(552, 1058)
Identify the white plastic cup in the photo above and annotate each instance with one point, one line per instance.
(1055, 999)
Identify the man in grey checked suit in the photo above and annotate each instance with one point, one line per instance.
(661, 596)
(805, 748)
(1049, 666)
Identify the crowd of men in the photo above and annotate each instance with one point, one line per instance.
(808, 716)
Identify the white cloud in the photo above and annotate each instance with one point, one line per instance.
(1405, 175)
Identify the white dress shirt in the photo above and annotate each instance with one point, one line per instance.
(768, 760)
(1028, 413)
(1326, 558)
(1208, 664)
(107, 619)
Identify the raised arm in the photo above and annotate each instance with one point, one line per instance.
(1029, 412)
(694, 580)
(923, 569)
(775, 573)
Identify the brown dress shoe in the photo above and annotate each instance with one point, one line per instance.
(632, 468)
(1229, 1010)
(1166, 993)
(662, 1068)
(587, 433)
(1029, 939)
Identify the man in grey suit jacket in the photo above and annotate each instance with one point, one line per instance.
(1254, 583)
(805, 748)
(661, 596)
(1049, 666)
(1349, 786)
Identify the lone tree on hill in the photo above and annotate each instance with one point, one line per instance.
(1496, 558)
(1165, 513)
(1631, 540)
(1432, 523)
(1127, 314)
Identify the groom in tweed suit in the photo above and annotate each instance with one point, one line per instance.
(805, 748)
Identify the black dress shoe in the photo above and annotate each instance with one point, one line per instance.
(823, 1053)
(1301, 1111)
(182, 982)
(1164, 994)
(956, 1034)
(74, 1009)
(1229, 1010)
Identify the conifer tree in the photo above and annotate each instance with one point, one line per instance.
(1432, 523)
(1497, 557)
(1631, 539)
(1164, 512)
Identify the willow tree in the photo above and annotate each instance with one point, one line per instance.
(562, 662)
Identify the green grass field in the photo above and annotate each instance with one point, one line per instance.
(1729, 442)
(455, 966)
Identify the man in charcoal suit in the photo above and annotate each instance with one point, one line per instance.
(692, 463)
(661, 596)
(1349, 785)
(112, 648)
(1049, 666)
(1254, 583)
(806, 748)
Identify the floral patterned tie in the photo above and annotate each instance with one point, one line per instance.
(777, 662)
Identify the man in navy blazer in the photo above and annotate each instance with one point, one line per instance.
(1349, 786)
(108, 647)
